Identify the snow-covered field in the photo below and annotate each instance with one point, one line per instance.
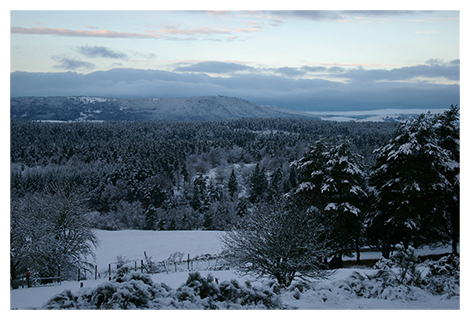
(161, 244)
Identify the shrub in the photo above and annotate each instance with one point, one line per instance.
(64, 300)
(226, 295)
(138, 291)
(443, 276)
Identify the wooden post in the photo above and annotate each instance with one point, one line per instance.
(188, 262)
(58, 273)
(142, 266)
(175, 267)
(78, 274)
(135, 265)
(96, 271)
(109, 271)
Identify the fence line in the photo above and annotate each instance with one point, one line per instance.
(175, 263)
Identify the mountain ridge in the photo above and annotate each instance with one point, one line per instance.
(86, 108)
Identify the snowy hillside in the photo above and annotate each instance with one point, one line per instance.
(329, 294)
(104, 109)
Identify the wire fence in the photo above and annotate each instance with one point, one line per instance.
(176, 262)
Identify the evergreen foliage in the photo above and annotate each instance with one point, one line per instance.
(412, 186)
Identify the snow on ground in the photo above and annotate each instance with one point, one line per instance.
(157, 244)
(160, 244)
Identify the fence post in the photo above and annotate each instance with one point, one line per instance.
(188, 262)
(135, 265)
(96, 271)
(142, 266)
(58, 274)
(109, 271)
(78, 274)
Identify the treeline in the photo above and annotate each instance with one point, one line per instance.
(163, 175)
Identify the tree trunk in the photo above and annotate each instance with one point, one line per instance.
(455, 242)
(358, 254)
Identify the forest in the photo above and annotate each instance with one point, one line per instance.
(216, 175)
(172, 175)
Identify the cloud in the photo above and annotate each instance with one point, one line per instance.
(308, 14)
(300, 94)
(290, 72)
(433, 69)
(314, 69)
(101, 52)
(82, 33)
(334, 15)
(214, 67)
(175, 30)
(72, 64)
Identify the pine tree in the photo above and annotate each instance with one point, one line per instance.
(409, 183)
(343, 191)
(448, 134)
(332, 185)
(232, 185)
(311, 172)
(275, 189)
(259, 184)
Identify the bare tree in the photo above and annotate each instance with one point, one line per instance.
(50, 230)
(277, 242)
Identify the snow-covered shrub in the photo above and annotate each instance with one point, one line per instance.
(443, 276)
(208, 294)
(402, 277)
(381, 285)
(402, 268)
(138, 291)
(407, 262)
(131, 291)
(384, 263)
(63, 300)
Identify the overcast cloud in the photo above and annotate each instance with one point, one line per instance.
(383, 90)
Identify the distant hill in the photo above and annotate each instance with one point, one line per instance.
(106, 109)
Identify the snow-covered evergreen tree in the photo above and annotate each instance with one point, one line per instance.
(311, 172)
(258, 184)
(448, 134)
(343, 191)
(409, 184)
(332, 184)
(232, 185)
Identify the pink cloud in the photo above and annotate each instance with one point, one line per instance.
(81, 33)
(175, 30)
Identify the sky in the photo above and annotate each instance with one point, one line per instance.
(308, 60)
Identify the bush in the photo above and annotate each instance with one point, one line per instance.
(403, 278)
(138, 291)
(402, 268)
(443, 276)
(226, 295)
(64, 300)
